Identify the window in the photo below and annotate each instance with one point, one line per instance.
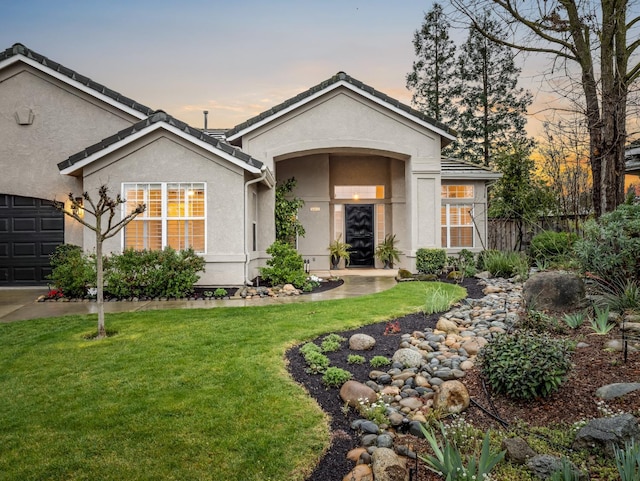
(457, 192)
(358, 192)
(457, 225)
(175, 216)
(380, 222)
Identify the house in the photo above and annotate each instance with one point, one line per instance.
(366, 165)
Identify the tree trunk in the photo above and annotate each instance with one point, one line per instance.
(102, 332)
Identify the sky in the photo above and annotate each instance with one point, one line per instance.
(233, 58)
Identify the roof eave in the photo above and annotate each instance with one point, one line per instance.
(73, 83)
(74, 168)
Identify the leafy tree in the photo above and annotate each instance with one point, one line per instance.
(518, 194)
(433, 76)
(288, 227)
(492, 110)
(590, 35)
(102, 221)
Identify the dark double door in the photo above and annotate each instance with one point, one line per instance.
(359, 222)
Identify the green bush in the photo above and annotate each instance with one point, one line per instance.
(355, 359)
(610, 246)
(285, 266)
(335, 377)
(505, 264)
(525, 365)
(72, 272)
(316, 361)
(166, 273)
(552, 247)
(379, 361)
(430, 261)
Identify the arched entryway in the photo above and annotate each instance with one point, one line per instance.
(355, 195)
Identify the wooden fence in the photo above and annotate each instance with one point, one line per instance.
(503, 234)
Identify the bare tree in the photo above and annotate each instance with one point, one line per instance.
(591, 34)
(104, 224)
(564, 162)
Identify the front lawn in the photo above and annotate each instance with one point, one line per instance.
(181, 394)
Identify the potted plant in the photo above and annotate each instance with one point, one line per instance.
(339, 250)
(387, 251)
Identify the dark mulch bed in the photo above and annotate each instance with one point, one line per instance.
(574, 401)
(334, 465)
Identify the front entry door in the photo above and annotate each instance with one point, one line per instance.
(359, 233)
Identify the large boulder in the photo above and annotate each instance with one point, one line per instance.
(555, 291)
(608, 432)
(544, 465)
(352, 392)
(361, 342)
(451, 397)
(388, 466)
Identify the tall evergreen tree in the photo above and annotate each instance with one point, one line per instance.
(433, 74)
(492, 108)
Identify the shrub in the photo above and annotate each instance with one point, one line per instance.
(525, 365)
(379, 361)
(314, 358)
(622, 297)
(220, 292)
(335, 377)
(355, 359)
(147, 273)
(316, 361)
(329, 345)
(430, 261)
(285, 266)
(551, 247)
(72, 271)
(628, 461)
(610, 247)
(505, 264)
(448, 461)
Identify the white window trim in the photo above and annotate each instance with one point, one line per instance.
(448, 225)
(164, 209)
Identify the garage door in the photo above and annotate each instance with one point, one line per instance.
(30, 230)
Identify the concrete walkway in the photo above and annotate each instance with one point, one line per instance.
(17, 304)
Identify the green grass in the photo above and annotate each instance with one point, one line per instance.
(183, 394)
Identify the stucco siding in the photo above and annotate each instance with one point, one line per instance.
(64, 122)
(161, 158)
(342, 119)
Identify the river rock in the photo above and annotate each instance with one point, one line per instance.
(517, 450)
(362, 472)
(452, 397)
(446, 325)
(408, 357)
(388, 466)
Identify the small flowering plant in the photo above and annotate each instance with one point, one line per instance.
(375, 411)
(392, 328)
(55, 294)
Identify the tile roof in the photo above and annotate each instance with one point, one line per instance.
(454, 168)
(339, 77)
(156, 117)
(19, 49)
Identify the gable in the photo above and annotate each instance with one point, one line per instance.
(342, 120)
(342, 80)
(19, 54)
